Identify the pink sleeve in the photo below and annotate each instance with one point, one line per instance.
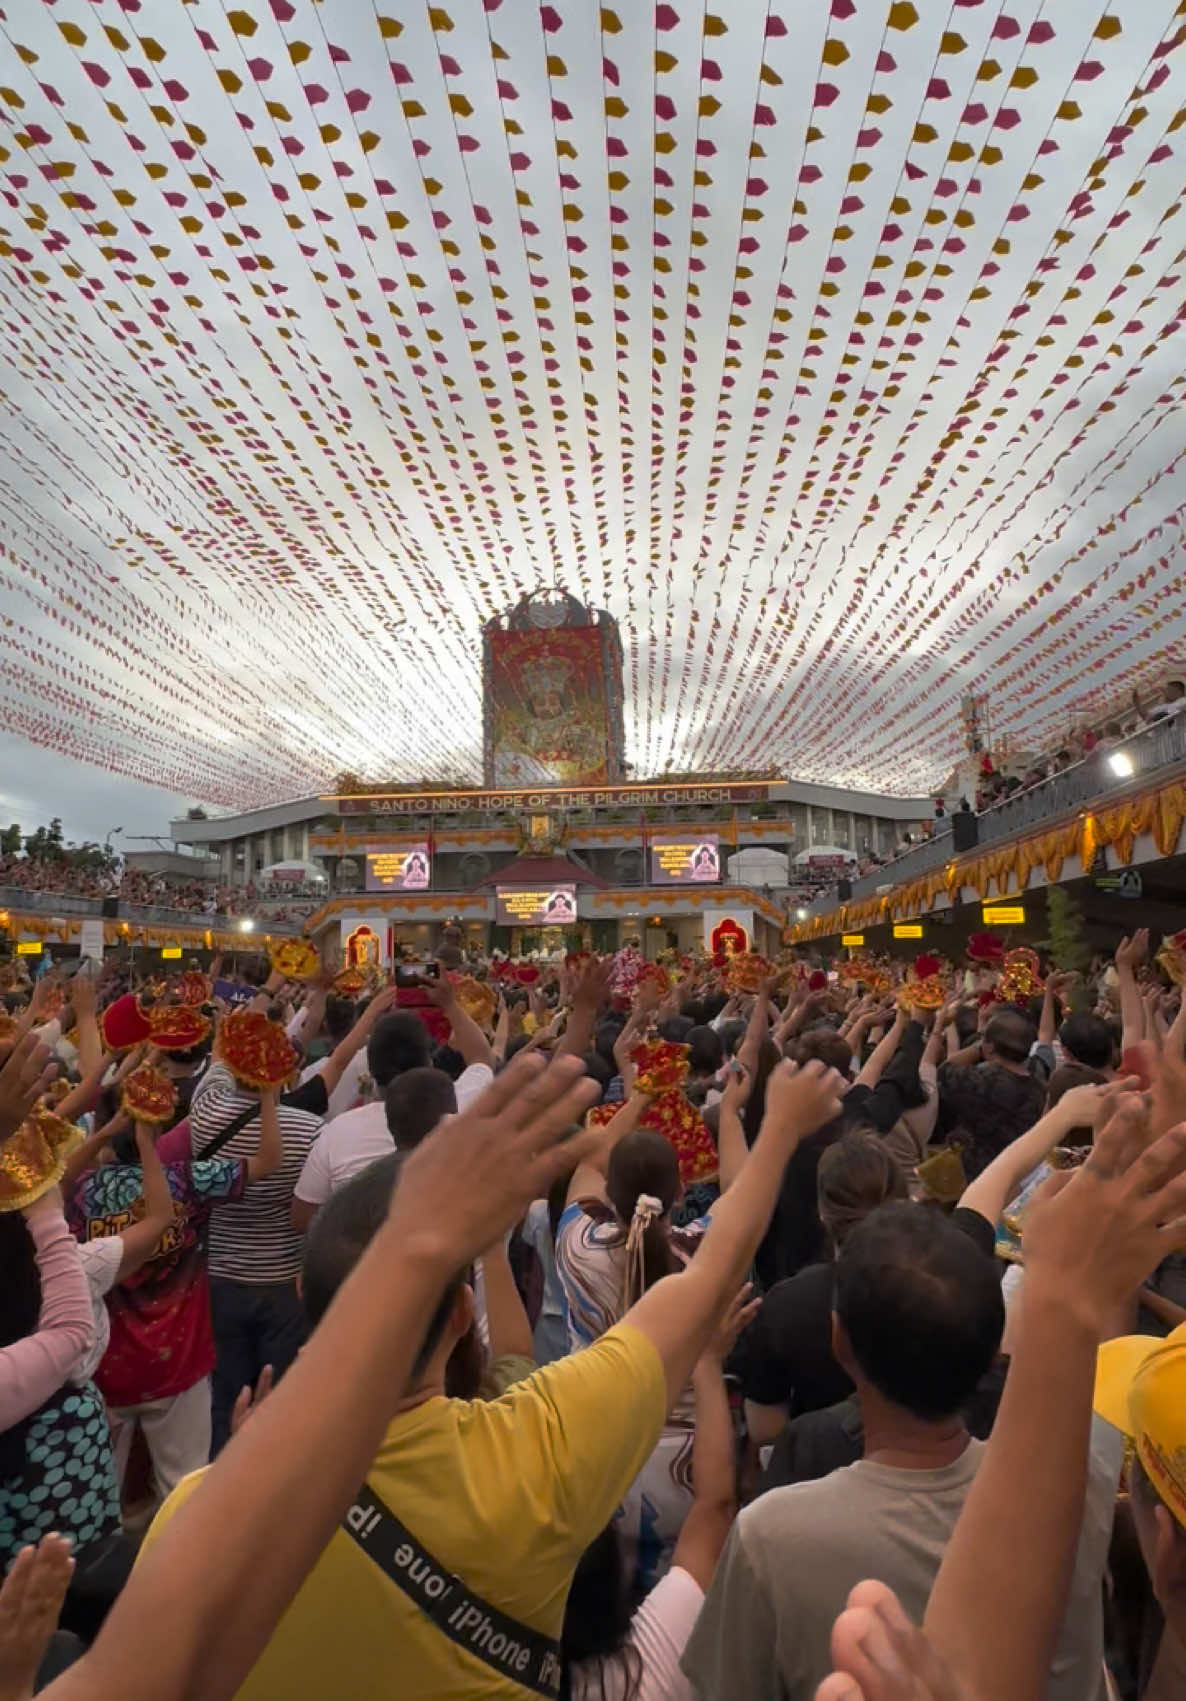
(174, 1146)
(32, 1368)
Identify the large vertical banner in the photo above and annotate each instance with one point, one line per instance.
(549, 718)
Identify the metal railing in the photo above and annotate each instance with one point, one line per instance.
(1162, 745)
(73, 905)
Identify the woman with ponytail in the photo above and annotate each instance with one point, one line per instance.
(615, 1241)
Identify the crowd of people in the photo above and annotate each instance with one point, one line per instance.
(51, 876)
(60, 875)
(579, 1331)
(999, 780)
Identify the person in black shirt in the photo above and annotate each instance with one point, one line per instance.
(784, 1360)
(991, 1092)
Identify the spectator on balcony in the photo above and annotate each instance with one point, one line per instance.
(1173, 702)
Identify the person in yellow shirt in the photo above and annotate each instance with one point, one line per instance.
(448, 1576)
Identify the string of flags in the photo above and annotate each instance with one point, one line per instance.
(836, 350)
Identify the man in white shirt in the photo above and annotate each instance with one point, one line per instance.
(410, 1108)
(400, 1044)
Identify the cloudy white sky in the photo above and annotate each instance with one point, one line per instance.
(777, 330)
(37, 784)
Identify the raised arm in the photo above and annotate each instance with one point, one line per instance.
(80, 1098)
(1091, 1238)
(141, 1239)
(27, 1071)
(502, 1031)
(33, 1367)
(268, 992)
(196, 1613)
(588, 1179)
(680, 1313)
(1090, 1242)
(589, 993)
(995, 1186)
(731, 1147)
(306, 1024)
(636, 1026)
(714, 1460)
(85, 1157)
(269, 1149)
(1130, 954)
(90, 1041)
(510, 1327)
(1048, 1022)
(757, 1029)
(465, 1034)
(883, 1051)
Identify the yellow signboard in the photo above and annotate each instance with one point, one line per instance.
(1012, 915)
(853, 940)
(908, 930)
(29, 948)
(171, 951)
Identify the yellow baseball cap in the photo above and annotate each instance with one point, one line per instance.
(1140, 1388)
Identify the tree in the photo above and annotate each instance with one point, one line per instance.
(10, 840)
(197, 813)
(1069, 946)
(45, 845)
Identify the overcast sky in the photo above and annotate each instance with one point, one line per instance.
(37, 784)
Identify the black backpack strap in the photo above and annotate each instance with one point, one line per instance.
(511, 1649)
(236, 1126)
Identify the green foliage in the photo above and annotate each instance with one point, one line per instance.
(47, 845)
(1069, 946)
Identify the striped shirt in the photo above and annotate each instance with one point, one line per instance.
(252, 1239)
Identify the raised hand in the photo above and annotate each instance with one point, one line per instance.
(386, 999)
(26, 1074)
(590, 986)
(1094, 1234)
(880, 1655)
(1131, 953)
(737, 1088)
(743, 1308)
(82, 997)
(1090, 1106)
(31, 1599)
(802, 1100)
(43, 997)
(474, 1176)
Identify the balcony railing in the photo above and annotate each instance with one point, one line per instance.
(72, 906)
(1160, 746)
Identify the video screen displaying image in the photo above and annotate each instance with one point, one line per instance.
(685, 862)
(520, 906)
(406, 870)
